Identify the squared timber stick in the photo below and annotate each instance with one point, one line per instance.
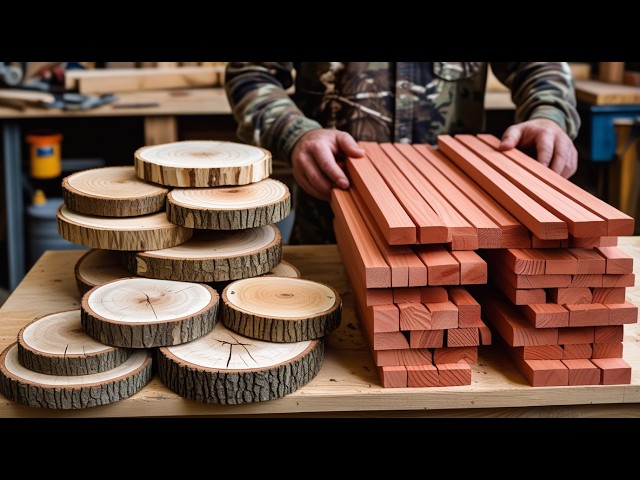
(414, 316)
(369, 264)
(442, 267)
(575, 335)
(394, 222)
(582, 372)
(433, 294)
(558, 260)
(393, 377)
(462, 337)
(469, 311)
(609, 295)
(444, 315)
(513, 234)
(622, 314)
(608, 334)
(537, 218)
(454, 374)
(380, 340)
(539, 352)
(383, 318)
(473, 268)
(431, 227)
(406, 356)
(485, 332)
(417, 169)
(546, 315)
(519, 260)
(590, 280)
(419, 376)
(580, 221)
(426, 338)
(517, 296)
(615, 371)
(570, 295)
(618, 280)
(543, 373)
(531, 281)
(588, 315)
(577, 350)
(398, 257)
(618, 261)
(589, 261)
(406, 294)
(618, 222)
(455, 354)
(607, 350)
(590, 242)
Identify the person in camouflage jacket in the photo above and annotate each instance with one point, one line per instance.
(310, 114)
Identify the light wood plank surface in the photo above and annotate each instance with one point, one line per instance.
(347, 384)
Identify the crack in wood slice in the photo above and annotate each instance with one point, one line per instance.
(19, 384)
(281, 309)
(212, 256)
(145, 313)
(202, 163)
(144, 232)
(112, 192)
(227, 368)
(230, 208)
(56, 344)
(98, 266)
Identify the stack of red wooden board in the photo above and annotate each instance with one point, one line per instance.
(411, 230)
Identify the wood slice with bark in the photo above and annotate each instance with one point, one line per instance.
(144, 232)
(227, 368)
(56, 344)
(283, 269)
(145, 313)
(98, 266)
(202, 163)
(19, 384)
(112, 192)
(212, 256)
(230, 208)
(280, 309)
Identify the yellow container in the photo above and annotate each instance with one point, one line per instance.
(45, 158)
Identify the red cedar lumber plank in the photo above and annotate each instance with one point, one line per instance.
(615, 371)
(609, 296)
(580, 221)
(608, 334)
(426, 338)
(407, 294)
(442, 267)
(538, 219)
(462, 337)
(420, 376)
(589, 261)
(395, 224)
(473, 269)
(590, 280)
(619, 280)
(469, 311)
(519, 260)
(590, 242)
(454, 374)
(539, 243)
(546, 315)
(455, 354)
(570, 295)
(582, 372)
(397, 256)
(607, 350)
(514, 234)
(539, 352)
(621, 314)
(380, 340)
(433, 294)
(618, 261)
(574, 335)
(348, 216)
(414, 316)
(444, 315)
(618, 222)
(558, 261)
(517, 296)
(406, 356)
(534, 281)
(588, 315)
(383, 318)
(417, 170)
(393, 376)
(428, 223)
(484, 331)
(577, 350)
(543, 373)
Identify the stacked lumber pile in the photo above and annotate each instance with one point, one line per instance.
(470, 214)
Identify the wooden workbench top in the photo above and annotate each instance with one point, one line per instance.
(347, 384)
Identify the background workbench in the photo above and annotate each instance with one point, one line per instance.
(347, 384)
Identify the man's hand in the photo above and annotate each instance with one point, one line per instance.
(553, 146)
(315, 161)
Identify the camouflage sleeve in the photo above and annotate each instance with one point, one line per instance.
(541, 90)
(265, 113)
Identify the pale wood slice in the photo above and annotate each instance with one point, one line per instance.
(202, 163)
(230, 208)
(281, 309)
(98, 266)
(19, 384)
(284, 269)
(112, 192)
(144, 232)
(144, 313)
(212, 256)
(56, 344)
(225, 367)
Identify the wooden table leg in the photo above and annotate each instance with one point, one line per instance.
(160, 129)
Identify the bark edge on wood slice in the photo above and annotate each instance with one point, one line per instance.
(98, 266)
(144, 232)
(227, 368)
(230, 208)
(56, 344)
(202, 163)
(140, 312)
(112, 192)
(212, 256)
(19, 384)
(281, 309)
